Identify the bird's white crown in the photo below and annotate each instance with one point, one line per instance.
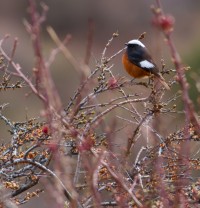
(137, 42)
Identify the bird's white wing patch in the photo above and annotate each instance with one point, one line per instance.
(146, 64)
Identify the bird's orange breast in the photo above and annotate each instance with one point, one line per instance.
(132, 69)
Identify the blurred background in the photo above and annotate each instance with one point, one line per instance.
(129, 17)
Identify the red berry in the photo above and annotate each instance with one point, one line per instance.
(45, 129)
(165, 22)
(112, 83)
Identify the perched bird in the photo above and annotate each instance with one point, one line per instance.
(139, 64)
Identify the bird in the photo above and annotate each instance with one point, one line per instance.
(138, 62)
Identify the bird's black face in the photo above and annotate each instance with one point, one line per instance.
(135, 53)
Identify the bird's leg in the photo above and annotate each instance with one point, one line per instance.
(150, 79)
(132, 80)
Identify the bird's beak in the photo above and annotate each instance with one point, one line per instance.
(126, 44)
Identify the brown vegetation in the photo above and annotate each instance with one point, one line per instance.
(109, 145)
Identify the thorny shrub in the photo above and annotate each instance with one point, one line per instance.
(100, 156)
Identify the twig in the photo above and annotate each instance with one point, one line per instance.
(188, 105)
(135, 133)
(43, 168)
(95, 119)
(78, 67)
(19, 73)
(89, 40)
(56, 51)
(122, 183)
